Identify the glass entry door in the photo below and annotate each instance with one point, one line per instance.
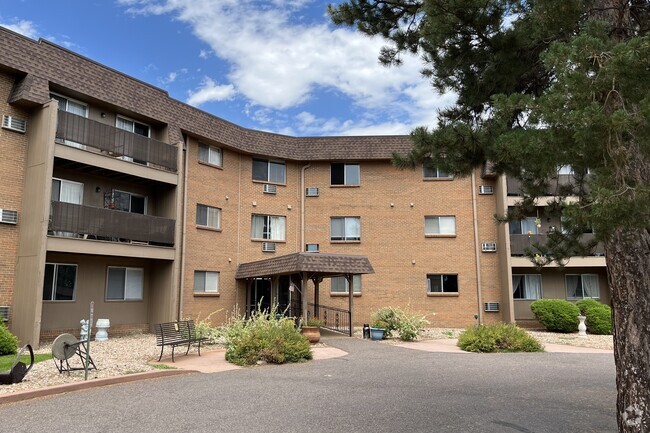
(260, 295)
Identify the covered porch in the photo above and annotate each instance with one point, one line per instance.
(285, 281)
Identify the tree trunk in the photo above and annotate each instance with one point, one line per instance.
(628, 266)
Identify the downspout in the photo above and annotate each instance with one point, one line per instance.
(477, 253)
(302, 206)
(184, 231)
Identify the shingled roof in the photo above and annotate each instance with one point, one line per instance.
(322, 264)
(39, 65)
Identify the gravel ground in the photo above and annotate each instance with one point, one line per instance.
(133, 354)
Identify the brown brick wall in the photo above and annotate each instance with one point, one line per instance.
(13, 146)
(47, 336)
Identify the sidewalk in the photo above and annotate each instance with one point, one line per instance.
(450, 346)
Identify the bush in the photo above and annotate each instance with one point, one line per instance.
(394, 319)
(268, 337)
(599, 316)
(204, 329)
(556, 315)
(8, 341)
(497, 337)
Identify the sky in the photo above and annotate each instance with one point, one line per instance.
(274, 65)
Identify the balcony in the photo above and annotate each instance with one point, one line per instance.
(554, 185)
(73, 220)
(519, 244)
(79, 131)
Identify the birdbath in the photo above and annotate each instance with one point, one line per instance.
(582, 328)
(102, 326)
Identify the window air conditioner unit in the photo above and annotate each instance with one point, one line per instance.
(270, 189)
(4, 314)
(492, 307)
(311, 192)
(14, 123)
(485, 189)
(8, 216)
(489, 247)
(268, 247)
(311, 248)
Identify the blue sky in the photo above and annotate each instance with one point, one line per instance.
(274, 65)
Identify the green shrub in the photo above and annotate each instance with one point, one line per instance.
(411, 326)
(204, 328)
(266, 336)
(497, 337)
(390, 316)
(8, 341)
(599, 316)
(394, 319)
(556, 315)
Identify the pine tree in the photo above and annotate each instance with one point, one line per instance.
(543, 84)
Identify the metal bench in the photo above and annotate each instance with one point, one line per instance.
(174, 334)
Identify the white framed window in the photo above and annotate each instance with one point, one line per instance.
(60, 282)
(345, 174)
(129, 202)
(268, 227)
(434, 173)
(526, 226)
(206, 282)
(124, 284)
(208, 216)
(527, 286)
(67, 191)
(70, 105)
(133, 126)
(210, 155)
(341, 285)
(442, 283)
(345, 229)
(582, 286)
(269, 171)
(439, 225)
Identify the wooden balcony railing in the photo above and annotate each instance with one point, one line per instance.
(115, 142)
(519, 243)
(68, 219)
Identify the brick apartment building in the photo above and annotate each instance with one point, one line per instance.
(115, 193)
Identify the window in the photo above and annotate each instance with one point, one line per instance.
(565, 169)
(133, 126)
(527, 286)
(207, 216)
(311, 248)
(210, 155)
(341, 285)
(434, 173)
(526, 226)
(582, 286)
(128, 202)
(442, 283)
(124, 284)
(268, 227)
(439, 225)
(345, 174)
(70, 105)
(67, 191)
(345, 229)
(269, 171)
(206, 282)
(60, 282)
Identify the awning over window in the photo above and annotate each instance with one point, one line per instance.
(316, 264)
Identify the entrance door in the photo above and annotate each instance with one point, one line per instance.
(261, 294)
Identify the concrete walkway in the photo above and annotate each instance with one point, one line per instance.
(450, 345)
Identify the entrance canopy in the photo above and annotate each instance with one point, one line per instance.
(314, 264)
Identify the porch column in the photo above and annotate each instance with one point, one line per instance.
(317, 281)
(249, 294)
(349, 277)
(305, 284)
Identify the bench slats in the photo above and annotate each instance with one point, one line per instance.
(176, 334)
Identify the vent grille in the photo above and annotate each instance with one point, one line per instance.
(14, 123)
(489, 247)
(270, 189)
(8, 216)
(268, 247)
(311, 248)
(4, 314)
(492, 307)
(311, 192)
(485, 189)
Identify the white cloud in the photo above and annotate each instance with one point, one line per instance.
(210, 91)
(24, 27)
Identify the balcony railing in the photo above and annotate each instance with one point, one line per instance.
(519, 243)
(115, 142)
(67, 219)
(514, 185)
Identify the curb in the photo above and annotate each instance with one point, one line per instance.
(83, 385)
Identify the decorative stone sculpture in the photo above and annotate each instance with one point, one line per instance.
(582, 328)
(102, 329)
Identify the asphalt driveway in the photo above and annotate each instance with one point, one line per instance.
(375, 388)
